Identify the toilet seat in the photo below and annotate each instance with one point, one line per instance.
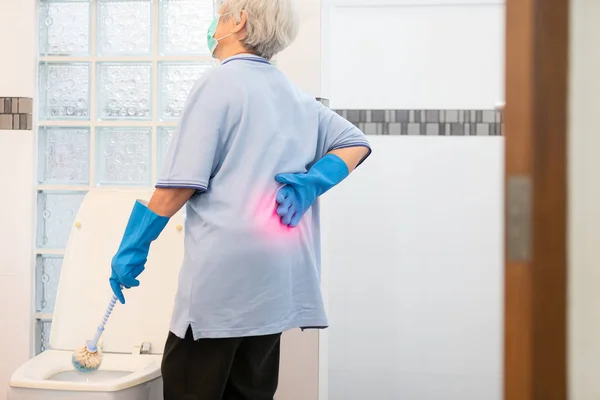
(37, 372)
(127, 372)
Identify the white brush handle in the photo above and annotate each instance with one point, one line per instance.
(93, 344)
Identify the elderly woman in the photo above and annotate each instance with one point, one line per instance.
(249, 159)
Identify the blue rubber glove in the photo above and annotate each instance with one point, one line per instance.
(301, 190)
(143, 228)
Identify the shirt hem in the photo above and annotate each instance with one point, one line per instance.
(181, 185)
(307, 323)
(354, 144)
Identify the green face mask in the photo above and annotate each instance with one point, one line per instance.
(210, 35)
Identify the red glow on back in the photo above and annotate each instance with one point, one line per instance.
(268, 221)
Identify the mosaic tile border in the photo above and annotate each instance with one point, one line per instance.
(427, 122)
(16, 113)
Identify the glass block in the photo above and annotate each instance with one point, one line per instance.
(183, 25)
(124, 91)
(64, 155)
(164, 135)
(123, 156)
(64, 27)
(56, 215)
(175, 82)
(124, 27)
(64, 90)
(42, 335)
(47, 272)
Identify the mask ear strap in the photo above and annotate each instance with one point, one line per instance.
(221, 38)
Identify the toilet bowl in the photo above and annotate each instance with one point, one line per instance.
(135, 333)
(122, 376)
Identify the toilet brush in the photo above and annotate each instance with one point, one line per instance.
(89, 357)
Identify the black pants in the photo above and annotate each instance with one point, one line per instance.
(220, 369)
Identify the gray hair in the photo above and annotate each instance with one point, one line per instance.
(272, 25)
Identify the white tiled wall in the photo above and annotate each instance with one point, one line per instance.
(16, 227)
(415, 281)
(16, 201)
(584, 202)
(411, 55)
(415, 278)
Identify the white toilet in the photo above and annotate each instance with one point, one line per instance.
(135, 333)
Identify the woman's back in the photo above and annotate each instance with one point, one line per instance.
(245, 123)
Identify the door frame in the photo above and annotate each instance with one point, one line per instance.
(537, 47)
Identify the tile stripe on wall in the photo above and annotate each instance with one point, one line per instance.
(15, 113)
(427, 122)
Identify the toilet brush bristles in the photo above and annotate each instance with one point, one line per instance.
(86, 360)
(89, 357)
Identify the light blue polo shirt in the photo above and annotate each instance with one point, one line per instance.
(244, 273)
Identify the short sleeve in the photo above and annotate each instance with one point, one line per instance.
(335, 132)
(194, 150)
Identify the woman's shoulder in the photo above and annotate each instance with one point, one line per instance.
(215, 81)
(217, 75)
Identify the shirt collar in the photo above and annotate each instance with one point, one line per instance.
(244, 55)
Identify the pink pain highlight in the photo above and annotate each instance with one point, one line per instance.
(269, 221)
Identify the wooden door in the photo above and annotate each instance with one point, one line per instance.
(536, 242)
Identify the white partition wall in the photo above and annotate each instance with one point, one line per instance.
(412, 257)
(415, 54)
(412, 241)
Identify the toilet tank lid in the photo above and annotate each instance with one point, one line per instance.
(84, 292)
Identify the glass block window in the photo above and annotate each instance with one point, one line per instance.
(64, 90)
(165, 133)
(175, 82)
(183, 25)
(113, 78)
(47, 272)
(64, 155)
(42, 334)
(123, 156)
(124, 91)
(56, 215)
(124, 27)
(64, 27)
